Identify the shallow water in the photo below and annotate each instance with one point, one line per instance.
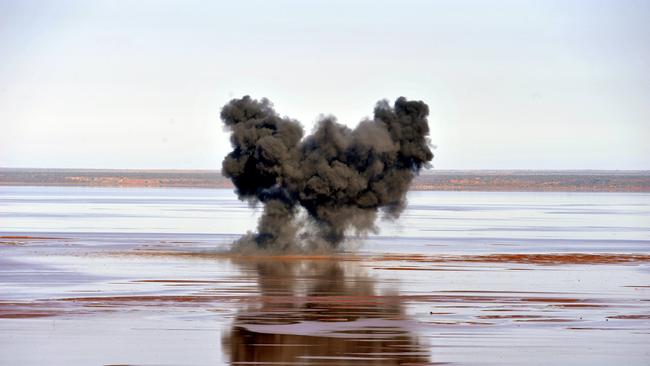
(142, 277)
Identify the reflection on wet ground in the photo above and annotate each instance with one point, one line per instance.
(380, 309)
(143, 277)
(317, 311)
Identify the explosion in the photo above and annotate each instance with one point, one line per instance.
(332, 183)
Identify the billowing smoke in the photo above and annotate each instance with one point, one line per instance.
(332, 183)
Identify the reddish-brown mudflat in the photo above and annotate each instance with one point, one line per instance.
(144, 277)
(391, 309)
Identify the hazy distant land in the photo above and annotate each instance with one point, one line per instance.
(432, 180)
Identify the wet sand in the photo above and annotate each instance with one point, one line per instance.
(117, 298)
(81, 301)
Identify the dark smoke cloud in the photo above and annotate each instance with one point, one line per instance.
(332, 183)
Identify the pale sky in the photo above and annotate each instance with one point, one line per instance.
(510, 84)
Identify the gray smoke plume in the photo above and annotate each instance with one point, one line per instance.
(320, 188)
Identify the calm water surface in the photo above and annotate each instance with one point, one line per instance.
(106, 276)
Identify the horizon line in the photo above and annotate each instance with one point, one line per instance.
(177, 170)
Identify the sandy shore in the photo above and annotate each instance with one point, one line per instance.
(430, 180)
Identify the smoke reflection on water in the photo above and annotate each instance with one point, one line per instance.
(321, 311)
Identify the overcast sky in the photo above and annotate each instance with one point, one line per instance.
(510, 84)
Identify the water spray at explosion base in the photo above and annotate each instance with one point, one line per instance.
(318, 189)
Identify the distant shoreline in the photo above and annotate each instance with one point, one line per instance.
(432, 180)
